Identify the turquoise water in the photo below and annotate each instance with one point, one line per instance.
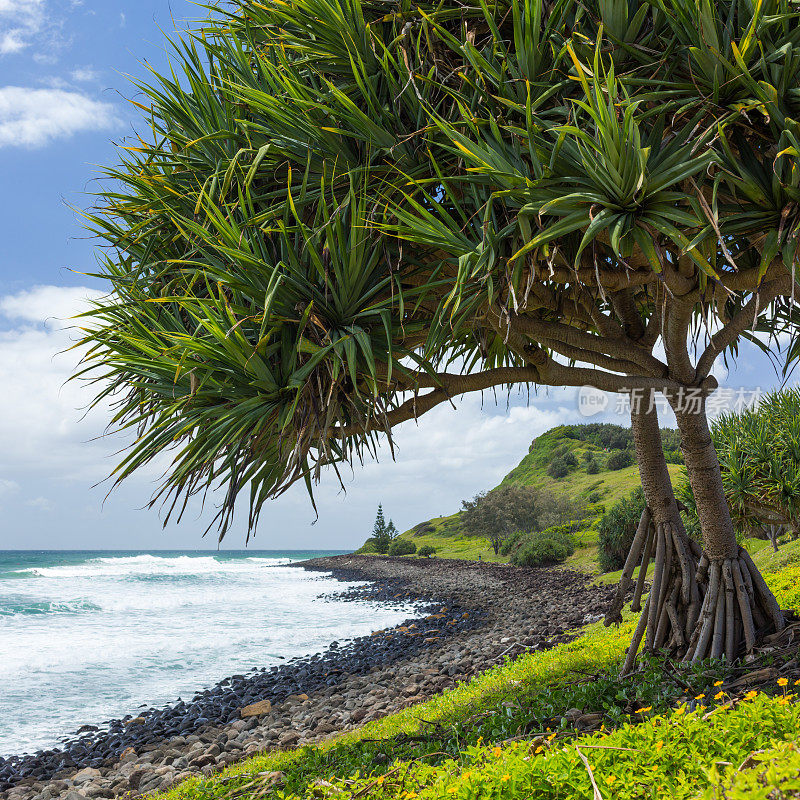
(90, 636)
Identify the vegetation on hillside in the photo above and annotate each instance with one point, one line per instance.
(617, 528)
(544, 548)
(595, 492)
(513, 510)
(383, 534)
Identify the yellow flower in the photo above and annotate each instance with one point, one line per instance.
(717, 683)
(659, 745)
(538, 750)
(380, 779)
(784, 701)
(497, 752)
(751, 695)
(452, 790)
(646, 708)
(506, 778)
(797, 682)
(699, 697)
(611, 779)
(782, 682)
(718, 695)
(551, 737)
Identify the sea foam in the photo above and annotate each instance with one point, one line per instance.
(88, 638)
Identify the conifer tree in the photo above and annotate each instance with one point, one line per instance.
(379, 531)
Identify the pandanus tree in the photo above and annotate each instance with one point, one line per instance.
(343, 213)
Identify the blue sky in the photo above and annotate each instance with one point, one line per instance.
(63, 90)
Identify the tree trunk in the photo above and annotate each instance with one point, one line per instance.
(675, 598)
(773, 531)
(756, 612)
(702, 465)
(711, 603)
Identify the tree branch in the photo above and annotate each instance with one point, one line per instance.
(743, 320)
(451, 385)
(619, 355)
(676, 331)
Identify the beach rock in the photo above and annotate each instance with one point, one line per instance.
(85, 775)
(136, 777)
(257, 709)
(288, 739)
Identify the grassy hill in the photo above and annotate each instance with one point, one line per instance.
(587, 444)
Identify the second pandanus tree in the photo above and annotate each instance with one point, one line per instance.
(347, 212)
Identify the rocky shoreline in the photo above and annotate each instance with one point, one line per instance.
(469, 617)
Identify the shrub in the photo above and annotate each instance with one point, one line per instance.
(373, 545)
(402, 547)
(558, 468)
(426, 551)
(513, 542)
(594, 497)
(550, 546)
(570, 460)
(617, 529)
(592, 467)
(620, 459)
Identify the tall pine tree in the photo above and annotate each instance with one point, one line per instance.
(379, 528)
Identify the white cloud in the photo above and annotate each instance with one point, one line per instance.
(20, 22)
(84, 74)
(35, 117)
(46, 304)
(40, 412)
(40, 504)
(449, 455)
(8, 487)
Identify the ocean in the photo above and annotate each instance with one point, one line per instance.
(90, 636)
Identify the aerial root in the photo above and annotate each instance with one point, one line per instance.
(697, 607)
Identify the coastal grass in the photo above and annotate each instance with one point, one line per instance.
(507, 732)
